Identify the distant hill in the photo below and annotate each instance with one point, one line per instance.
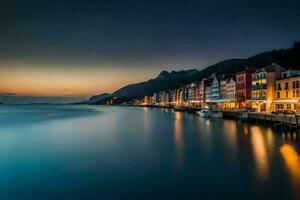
(163, 81)
(288, 58)
(97, 98)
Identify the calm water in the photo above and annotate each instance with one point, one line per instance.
(82, 152)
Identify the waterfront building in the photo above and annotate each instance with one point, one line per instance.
(215, 90)
(200, 93)
(147, 100)
(243, 88)
(163, 98)
(185, 94)
(223, 90)
(207, 90)
(263, 87)
(287, 95)
(155, 99)
(230, 102)
(192, 93)
(231, 89)
(172, 97)
(166, 98)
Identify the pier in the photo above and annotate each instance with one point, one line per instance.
(285, 121)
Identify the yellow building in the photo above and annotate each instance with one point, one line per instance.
(287, 95)
(263, 87)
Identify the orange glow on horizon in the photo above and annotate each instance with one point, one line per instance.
(66, 81)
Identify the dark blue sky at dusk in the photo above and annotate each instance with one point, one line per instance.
(142, 32)
(147, 36)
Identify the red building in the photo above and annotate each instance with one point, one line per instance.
(243, 87)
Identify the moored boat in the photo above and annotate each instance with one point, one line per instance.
(211, 112)
(203, 113)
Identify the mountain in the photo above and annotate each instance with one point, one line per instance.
(164, 81)
(100, 97)
(288, 58)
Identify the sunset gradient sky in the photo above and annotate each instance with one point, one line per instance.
(72, 49)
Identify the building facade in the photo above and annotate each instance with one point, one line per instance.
(263, 87)
(215, 90)
(243, 88)
(287, 93)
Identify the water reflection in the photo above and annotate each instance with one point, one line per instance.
(230, 128)
(260, 152)
(178, 139)
(146, 119)
(289, 136)
(291, 159)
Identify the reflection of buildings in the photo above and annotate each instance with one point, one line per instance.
(292, 162)
(261, 144)
(230, 130)
(178, 139)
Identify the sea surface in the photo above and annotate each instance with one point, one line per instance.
(98, 152)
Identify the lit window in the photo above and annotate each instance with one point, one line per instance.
(293, 93)
(278, 95)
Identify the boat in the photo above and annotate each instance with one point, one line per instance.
(203, 113)
(211, 112)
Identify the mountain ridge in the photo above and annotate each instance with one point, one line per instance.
(288, 58)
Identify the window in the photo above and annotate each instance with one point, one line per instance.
(278, 95)
(293, 93)
(286, 94)
(296, 107)
(297, 93)
(296, 84)
(288, 106)
(279, 106)
(284, 75)
(278, 86)
(263, 94)
(286, 85)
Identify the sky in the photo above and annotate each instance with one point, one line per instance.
(66, 50)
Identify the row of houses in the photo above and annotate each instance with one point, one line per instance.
(271, 88)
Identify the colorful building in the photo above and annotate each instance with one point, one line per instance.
(155, 99)
(147, 100)
(263, 87)
(200, 93)
(230, 102)
(192, 93)
(287, 95)
(243, 88)
(215, 90)
(223, 90)
(207, 91)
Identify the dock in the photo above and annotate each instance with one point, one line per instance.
(282, 120)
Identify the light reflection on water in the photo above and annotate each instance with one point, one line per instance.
(260, 152)
(292, 162)
(179, 145)
(128, 153)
